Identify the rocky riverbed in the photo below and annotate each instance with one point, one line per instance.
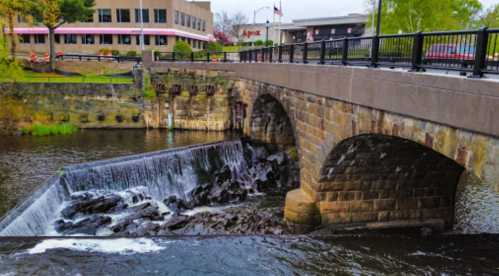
(224, 202)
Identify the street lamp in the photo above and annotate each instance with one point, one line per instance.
(141, 17)
(378, 29)
(267, 26)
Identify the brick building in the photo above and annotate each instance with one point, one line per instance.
(116, 25)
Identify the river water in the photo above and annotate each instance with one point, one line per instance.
(26, 162)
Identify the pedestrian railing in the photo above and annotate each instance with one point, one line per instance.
(99, 58)
(201, 56)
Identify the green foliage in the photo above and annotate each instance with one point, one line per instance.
(259, 42)
(10, 69)
(131, 53)
(269, 43)
(182, 50)
(215, 47)
(293, 153)
(50, 129)
(149, 92)
(490, 18)
(409, 16)
(115, 52)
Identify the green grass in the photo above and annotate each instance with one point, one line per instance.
(232, 49)
(33, 77)
(50, 129)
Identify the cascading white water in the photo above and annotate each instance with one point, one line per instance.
(165, 173)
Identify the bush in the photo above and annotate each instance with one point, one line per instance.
(50, 129)
(214, 47)
(131, 53)
(182, 50)
(105, 52)
(115, 52)
(270, 43)
(259, 42)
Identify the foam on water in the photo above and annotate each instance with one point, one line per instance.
(115, 246)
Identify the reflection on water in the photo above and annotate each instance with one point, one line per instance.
(252, 255)
(26, 162)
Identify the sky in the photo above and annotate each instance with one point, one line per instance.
(298, 9)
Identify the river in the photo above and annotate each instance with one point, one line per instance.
(26, 162)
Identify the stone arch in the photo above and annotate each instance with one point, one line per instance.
(269, 122)
(387, 180)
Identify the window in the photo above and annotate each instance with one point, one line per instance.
(106, 39)
(204, 26)
(182, 19)
(39, 39)
(70, 39)
(124, 39)
(161, 40)
(87, 39)
(177, 17)
(123, 15)
(199, 25)
(145, 15)
(147, 40)
(159, 16)
(188, 21)
(25, 39)
(194, 19)
(57, 38)
(21, 19)
(104, 15)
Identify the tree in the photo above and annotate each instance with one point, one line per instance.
(182, 50)
(230, 25)
(409, 16)
(9, 9)
(490, 18)
(55, 13)
(9, 66)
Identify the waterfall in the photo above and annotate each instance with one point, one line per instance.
(163, 174)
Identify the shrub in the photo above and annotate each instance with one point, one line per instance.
(182, 50)
(131, 53)
(115, 52)
(270, 43)
(50, 129)
(105, 52)
(259, 42)
(214, 47)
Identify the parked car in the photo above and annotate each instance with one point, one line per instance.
(450, 52)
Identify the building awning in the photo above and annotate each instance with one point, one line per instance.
(115, 31)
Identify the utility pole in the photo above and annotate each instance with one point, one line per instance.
(267, 26)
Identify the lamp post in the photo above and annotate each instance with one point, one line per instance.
(378, 29)
(267, 26)
(141, 17)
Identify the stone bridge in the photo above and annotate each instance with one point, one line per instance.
(377, 148)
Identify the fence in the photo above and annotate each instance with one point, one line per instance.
(99, 58)
(201, 56)
(475, 51)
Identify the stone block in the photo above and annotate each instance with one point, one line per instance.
(384, 204)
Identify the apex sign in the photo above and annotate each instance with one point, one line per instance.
(249, 34)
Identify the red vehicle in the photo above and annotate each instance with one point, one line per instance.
(449, 52)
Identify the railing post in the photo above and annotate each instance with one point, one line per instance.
(208, 58)
(255, 52)
(323, 52)
(192, 56)
(482, 41)
(279, 57)
(271, 53)
(305, 53)
(375, 52)
(344, 57)
(225, 56)
(291, 53)
(417, 51)
(263, 54)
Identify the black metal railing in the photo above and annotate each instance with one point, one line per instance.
(99, 58)
(475, 52)
(201, 56)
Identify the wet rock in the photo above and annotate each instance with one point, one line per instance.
(176, 223)
(87, 226)
(176, 205)
(87, 205)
